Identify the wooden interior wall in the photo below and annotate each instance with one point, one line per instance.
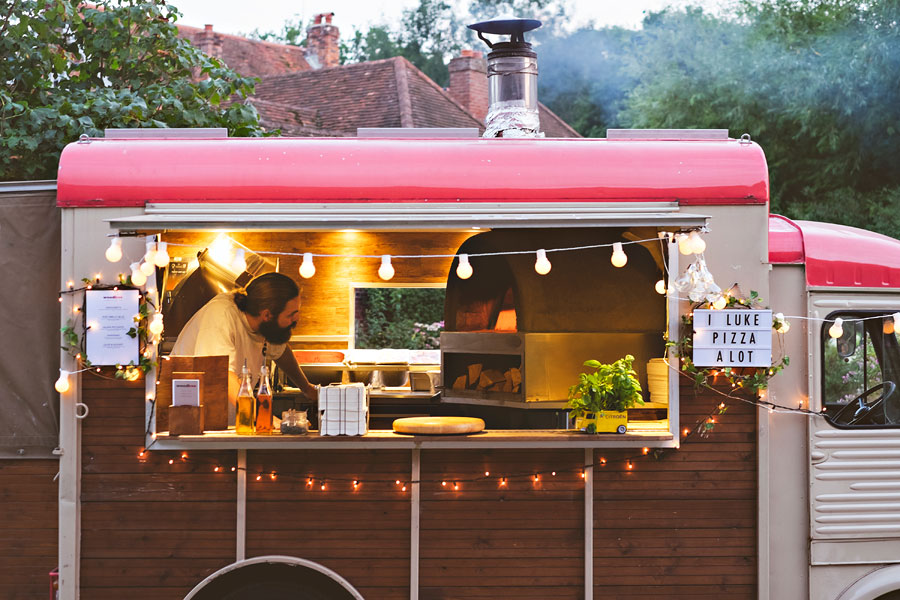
(325, 297)
(28, 511)
(149, 530)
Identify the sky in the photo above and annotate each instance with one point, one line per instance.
(241, 16)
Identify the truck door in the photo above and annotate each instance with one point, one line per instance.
(855, 449)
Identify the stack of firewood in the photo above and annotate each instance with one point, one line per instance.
(489, 380)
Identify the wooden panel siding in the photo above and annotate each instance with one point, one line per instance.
(683, 526)
(28, 511)
(149, 530)
(363, 535)
(521, 540)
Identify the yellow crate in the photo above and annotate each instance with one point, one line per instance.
(605, 421)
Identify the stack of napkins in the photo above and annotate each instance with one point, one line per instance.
(344, 409)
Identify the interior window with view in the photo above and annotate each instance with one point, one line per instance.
(861, 360)
(398, 317)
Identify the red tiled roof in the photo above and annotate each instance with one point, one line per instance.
(554, 127)
(292, 121)
(250, 58)
(381, 93)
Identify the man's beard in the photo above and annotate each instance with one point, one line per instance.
(275, 334)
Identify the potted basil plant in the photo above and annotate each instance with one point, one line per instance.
(601, 398)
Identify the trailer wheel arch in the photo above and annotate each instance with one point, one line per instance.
(275, 562)
(881, 584)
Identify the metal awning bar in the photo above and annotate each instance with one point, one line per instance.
(405, 216)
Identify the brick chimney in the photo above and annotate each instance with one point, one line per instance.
(208, 42)
(322, 46)
(469, 84)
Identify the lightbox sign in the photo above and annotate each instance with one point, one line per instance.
(732, 338)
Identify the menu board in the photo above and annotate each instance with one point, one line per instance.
(108, 316)
(732, 338)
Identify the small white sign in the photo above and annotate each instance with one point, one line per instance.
(108, 316)
(732, 338)
(185, 392)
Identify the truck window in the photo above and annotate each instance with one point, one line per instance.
(861, 370)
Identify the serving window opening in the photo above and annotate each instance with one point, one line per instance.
(503, 344)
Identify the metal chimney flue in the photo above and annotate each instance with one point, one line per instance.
(512, 79)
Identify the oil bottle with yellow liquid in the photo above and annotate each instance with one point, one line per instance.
(264, 403)
(246, 405)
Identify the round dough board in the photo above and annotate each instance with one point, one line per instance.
(438, 425)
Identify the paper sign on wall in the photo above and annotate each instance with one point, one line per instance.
(109, 315)
(732, 338)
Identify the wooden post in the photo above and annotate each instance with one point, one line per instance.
(588, 524)
(241, 531)
(414, 527)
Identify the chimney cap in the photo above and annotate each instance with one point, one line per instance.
(470, 53)
(327, 16)
(208, 27)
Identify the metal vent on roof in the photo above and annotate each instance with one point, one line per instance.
(667, 134)
(168, 133)
(417, 132)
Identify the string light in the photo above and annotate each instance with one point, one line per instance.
(307, 268)
(602, 462)
(836, 330)
(156, 324)
(323, 486)
(386, 270)
(161, 258)
(137, 276)
(114, 252)
(444, 484)
(720, 303)
(403, 489)
(62, 384)
(698, 246)
(618, 258)
(150, 254)
(542, 264)
(503, 481)
(645, 450)
(629, 465)
(171, 461)
(783, 326)
(464, 269)
(217, 469)
(684, 245)
(660, 287)
(455, 486)
(487, 473)
(259, 477)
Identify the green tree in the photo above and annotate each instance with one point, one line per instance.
(72, 68)
(816, 82)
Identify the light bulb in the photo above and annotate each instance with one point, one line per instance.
(114, 252)
(661, 287)
(147, 268)
(161, 259)
(239, 264)
(150, 254)
(836, 330)
(156, 324)
(685, 246)
(386, 270)
(542, 265)
(62, 384)
(896, 318)
(137, 277)
(619, 258)
(307, 268)
(464, 270)
(697, 244)
(785, 327)
(220, 249)
(720, 303)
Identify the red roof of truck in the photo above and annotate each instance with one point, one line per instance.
(835, 255)
(132, 172)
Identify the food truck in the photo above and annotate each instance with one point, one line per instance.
(712, 491)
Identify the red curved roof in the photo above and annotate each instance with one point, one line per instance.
(835, 255)
(122, 172)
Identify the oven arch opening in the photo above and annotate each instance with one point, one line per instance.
(274, 577)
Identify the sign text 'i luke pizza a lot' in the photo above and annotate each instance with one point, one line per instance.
(732, 338)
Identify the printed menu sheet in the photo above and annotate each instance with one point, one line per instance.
(108, 316)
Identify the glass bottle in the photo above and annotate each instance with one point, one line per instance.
(264, 403)
(246, 405)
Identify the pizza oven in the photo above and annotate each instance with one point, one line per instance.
(513, 337)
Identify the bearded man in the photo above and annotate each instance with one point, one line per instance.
(253, 325)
